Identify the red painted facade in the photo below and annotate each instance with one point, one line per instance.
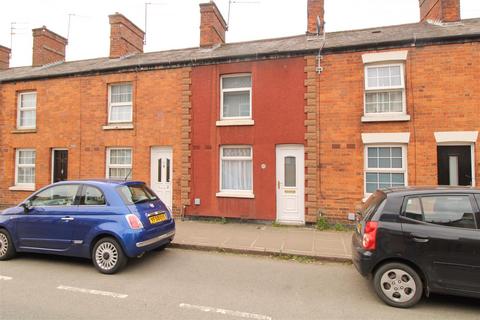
(278, 113)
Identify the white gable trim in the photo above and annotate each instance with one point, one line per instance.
(384, 56)
(456, 136)
(400, 137)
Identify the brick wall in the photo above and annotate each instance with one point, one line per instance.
(443, 10)
(71, 113)
(48, 47)
(212, 25)
(125, 37)
(442, 95)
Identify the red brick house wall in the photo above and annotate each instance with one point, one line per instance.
(278, 111)
(71, 113)
(442, 95)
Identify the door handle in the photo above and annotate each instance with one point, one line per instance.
(278, 184)
(420, 238)
(67, 219)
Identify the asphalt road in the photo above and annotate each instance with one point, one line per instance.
(178, 284)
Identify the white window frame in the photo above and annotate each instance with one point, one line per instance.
(27, 186)
(228, 193)
(108, 165)
(241, 89)
(366, 169)
(118, 104)
(20, 109)
(388, 116)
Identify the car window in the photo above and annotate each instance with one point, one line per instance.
(371, 205)
(135, 194)
(63, 195)
(449, 210)
(413, 209)
(93, 197)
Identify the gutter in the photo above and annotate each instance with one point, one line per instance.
(262, 56)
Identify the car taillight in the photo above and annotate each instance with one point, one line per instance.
(370, 236)
(134, 222)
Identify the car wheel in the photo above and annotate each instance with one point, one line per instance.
(7, 250)
(398, 285)
(108, 256)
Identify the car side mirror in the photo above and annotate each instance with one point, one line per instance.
(27, 206)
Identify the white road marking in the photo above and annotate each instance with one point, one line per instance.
(5, 278)
(96, 292)
(225, 312)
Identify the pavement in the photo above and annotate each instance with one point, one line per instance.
(186, 284)
(263, 239)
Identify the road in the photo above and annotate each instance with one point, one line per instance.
(181, 284)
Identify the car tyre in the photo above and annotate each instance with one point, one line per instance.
(108, 256)
(7, 249)
(398, 285)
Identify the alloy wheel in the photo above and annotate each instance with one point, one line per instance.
(106, 256)
(3, 244)
(398, 285)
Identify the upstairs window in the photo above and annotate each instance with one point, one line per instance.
(236, 97)
(385, 89)
(120, 103)
(27, 110)
(119, 163)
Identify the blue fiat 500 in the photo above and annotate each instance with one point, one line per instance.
(107, 221)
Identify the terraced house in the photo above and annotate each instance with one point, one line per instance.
(281, 129)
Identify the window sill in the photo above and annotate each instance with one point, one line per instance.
(246, 195)
(120, 126)
(20, 131)
(22, 188)
(386, 117)
(239, 122)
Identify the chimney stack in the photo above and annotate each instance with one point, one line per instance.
(125, 37)
(48, 47)
(4, 58)
(212, 25)
(315, 10)
(440, 10)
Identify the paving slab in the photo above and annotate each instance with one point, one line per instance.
(263, 239)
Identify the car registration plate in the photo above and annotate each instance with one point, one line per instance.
(157, 218)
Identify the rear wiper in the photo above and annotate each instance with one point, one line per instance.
(141, 201)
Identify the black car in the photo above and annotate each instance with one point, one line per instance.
(413, 241)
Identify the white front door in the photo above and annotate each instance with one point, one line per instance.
(290, 184)
(161, 173)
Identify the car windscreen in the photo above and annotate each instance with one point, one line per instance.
(370, 206)
(135, 194)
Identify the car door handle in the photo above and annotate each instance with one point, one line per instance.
(67, 219)
(420, 238)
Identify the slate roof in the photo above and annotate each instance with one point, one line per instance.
(423, 33)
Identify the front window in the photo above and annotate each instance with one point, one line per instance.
(236, 169)
(135, 194)
(236, 97)
(63, 195)
(384, 89)
(120, 103)
(25, 167)
(119, 163)
(27, 110)
(385, 167)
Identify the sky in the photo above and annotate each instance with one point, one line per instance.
(174, 24)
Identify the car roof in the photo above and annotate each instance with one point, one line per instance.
(408, 191)
(101, 182)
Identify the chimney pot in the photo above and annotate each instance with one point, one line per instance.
(4, 58)
(48, 47)
(315, 10)
(212, 25)
(125, 37)
(442, 10)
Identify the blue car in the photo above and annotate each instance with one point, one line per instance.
(107, 221)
